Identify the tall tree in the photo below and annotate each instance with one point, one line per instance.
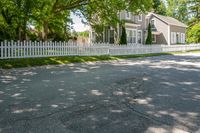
(182, 11)
(194, 11)
(51, 16)
(193, 32)
(178, 9)
(172, 7)
(159, 7)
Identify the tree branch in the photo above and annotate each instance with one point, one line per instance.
(72, 5)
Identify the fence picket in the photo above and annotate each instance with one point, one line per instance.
(1, 47)
(25, 49)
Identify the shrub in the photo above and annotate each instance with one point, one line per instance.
(123, 40)
(149, 35)
(193, 34)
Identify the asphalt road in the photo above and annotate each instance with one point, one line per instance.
(145, 95)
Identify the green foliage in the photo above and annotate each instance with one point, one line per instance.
(52, 17)
(183, 10)
(123, 39)
(194, 11)
(159, 7)
(193, 34)
(194, 7)
(102, 13)
(149, 36)
(178, 9)
(186, 11)
(83, 34)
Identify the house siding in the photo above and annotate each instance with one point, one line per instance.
(163, 35)
(142, 26)
(161, 27)
(123, 16)
(177, 29)
(141, 23)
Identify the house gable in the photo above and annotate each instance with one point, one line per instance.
(168, 20)
(161, 27)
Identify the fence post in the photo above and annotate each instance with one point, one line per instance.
(59, 48)
(44, 44)
(1, 47)
(5, 49)
(12, 43)
(8, 49)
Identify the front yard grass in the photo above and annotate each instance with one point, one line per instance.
(31, 62)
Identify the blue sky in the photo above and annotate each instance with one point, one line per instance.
(78, 25)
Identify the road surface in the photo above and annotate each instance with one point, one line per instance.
(144, 95)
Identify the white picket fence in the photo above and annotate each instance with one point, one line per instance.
(28, 49)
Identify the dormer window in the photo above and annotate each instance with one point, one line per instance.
(128, 15)
(152, 22)
(140, 17)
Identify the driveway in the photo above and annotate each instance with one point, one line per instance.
(145, 95)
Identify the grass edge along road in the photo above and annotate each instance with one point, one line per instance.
(31, 62)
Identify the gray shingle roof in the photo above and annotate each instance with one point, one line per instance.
(169, 20)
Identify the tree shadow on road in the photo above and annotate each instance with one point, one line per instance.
(135, 95)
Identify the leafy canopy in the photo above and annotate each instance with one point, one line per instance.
(51, 18)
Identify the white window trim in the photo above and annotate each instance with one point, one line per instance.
(154, 24)
(141, 36)
(179, 37)
(129, 15)
(139, 17)
(184, 38)
(136, 39)
(154, 41)
(172, 37)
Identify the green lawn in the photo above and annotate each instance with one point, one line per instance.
(30, 62)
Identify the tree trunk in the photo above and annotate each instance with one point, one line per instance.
(45, 28)
(24, 30)
(19, 33)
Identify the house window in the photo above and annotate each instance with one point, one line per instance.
(178, 38)
(140, 37)
(140, 17)
(131, 35)
(152, 22)
(182, 38)
(154, 38)
(174, 37)
(128, 15)
(134, 36)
